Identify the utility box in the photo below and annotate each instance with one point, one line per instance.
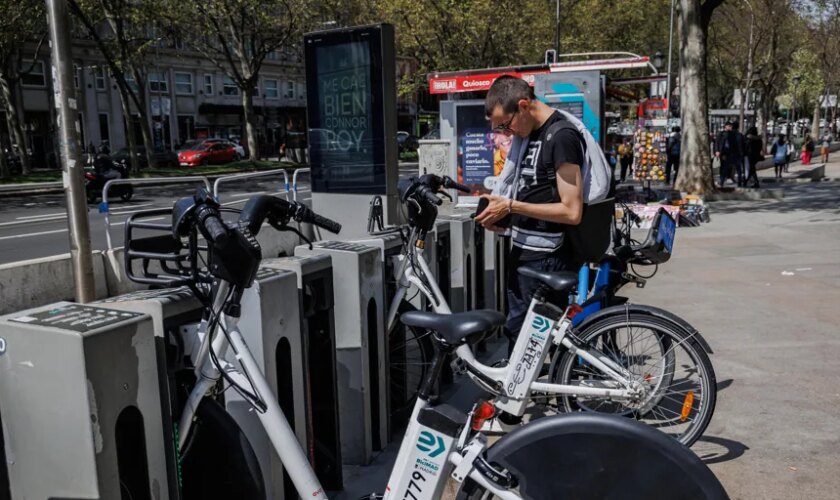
(462, 260)
(301, 365)
(360, 347)
(81, 404)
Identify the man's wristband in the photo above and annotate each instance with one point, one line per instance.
(510, 206)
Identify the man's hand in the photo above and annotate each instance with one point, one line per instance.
(497, 209)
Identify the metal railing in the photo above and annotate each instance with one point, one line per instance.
(294, 181)
(105, 208)
(233, 177)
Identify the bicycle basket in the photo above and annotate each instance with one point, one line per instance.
(156, 257)
(659, 244)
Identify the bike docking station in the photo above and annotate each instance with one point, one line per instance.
(81, 404)
(462, 258)
(301, 365)
(360, 347)
(272, 326)
(173, 310)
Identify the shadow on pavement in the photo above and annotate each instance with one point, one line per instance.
(723, 384)
(715, 450)
(809, 197)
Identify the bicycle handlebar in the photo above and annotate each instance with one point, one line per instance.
(280, 211)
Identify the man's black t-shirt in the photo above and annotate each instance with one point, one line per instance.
(533, 238)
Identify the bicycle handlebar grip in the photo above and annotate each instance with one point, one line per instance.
(450, 183)
(311, 217)
(431, 197)
(216, 231)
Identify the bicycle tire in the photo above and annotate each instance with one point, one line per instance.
(410, 352)
(685, 346)
(599, 457)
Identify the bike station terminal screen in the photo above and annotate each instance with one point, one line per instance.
(345, 111)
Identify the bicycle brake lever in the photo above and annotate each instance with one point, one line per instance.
(444, 193)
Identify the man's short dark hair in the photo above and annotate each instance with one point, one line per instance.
(506, 92)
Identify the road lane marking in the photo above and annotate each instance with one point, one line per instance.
(62, 214)
(32, 234)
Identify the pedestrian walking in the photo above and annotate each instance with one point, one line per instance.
(625, 153)
(825, 143)
(755, 153)
(674, 147)
(780, 152)
(728, 148)
(807, 150)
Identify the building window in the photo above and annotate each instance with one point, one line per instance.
(34, 78)
(272, 91)
(77, 76)
(129, 80)
(290, 90)
(230, 87)
(158, 81)
(104, 131)
(208, 84)
(99, 78)
(184, 83)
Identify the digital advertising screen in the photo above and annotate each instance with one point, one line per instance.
(344, 112)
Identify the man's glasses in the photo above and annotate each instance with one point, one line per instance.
(505, 127)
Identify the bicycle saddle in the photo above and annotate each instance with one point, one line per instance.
(558, 280)
(457, 328)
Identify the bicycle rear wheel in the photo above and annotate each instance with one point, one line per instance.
(669, 364)
(410, 356)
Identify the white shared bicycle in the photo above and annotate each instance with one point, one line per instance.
(623, 363)
(589, 455)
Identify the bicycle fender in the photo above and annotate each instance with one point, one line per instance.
(651, 311)
(600, 456)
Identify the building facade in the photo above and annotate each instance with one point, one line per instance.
(187, 98)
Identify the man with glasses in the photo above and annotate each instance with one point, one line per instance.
(547, 191)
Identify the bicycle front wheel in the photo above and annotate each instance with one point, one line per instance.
(667, 363)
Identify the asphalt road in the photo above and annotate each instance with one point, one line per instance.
(35, 226)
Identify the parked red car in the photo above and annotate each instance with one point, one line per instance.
(207, 154)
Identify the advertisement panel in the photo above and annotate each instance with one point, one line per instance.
(345, 111)
(481, 154)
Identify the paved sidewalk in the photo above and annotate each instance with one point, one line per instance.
(762, 284)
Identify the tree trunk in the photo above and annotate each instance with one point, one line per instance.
(250, 128)
(695, 174)
(15, 129)
(148, 141)
(129, 131)
(5, 171)
(815, 124)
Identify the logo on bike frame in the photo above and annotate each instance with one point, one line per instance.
(430, 444)
(540, 324)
